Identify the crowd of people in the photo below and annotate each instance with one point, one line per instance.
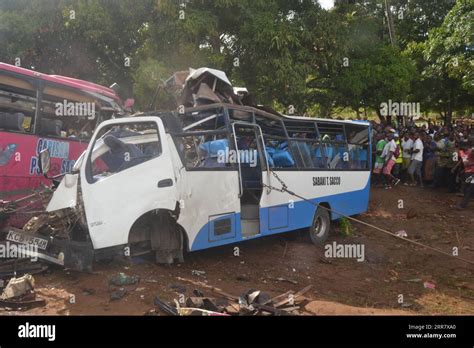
(425, 156)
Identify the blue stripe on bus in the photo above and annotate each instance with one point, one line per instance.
(273, 220)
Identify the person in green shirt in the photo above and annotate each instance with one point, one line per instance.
(379, 160)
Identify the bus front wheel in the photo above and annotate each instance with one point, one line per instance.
(319, 230)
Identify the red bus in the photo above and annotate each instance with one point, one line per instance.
(39, 111)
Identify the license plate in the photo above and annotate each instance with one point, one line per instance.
(27, 239)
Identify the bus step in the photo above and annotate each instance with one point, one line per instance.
(250, 227)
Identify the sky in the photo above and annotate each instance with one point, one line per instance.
(326, 3)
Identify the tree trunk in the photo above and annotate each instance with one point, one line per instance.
(391, 25)
(381, 118)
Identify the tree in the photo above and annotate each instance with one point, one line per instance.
(445, 59)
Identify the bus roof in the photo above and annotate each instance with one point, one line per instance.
(63, 80)
(305, 118)
(271, 115)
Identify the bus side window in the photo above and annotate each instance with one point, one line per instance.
(319, 159)
(50, 127)
(302, 153)
(205, 151)
(17, 104)
(67, 114)
(358, 143)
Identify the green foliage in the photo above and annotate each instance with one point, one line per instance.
(287, 53)
(445, 63)
(345, 227)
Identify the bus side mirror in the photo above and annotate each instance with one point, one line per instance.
(44, 162)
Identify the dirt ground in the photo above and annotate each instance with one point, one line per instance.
(340, 286)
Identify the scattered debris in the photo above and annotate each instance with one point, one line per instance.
(123, 279)
(18, 287)
(251, 302)
(165, 307)
(209, 287)
(198, 273)
(20, 294)
(151, 280)
(401, 234)
(118, 294)
(429, 285)
(26, 302)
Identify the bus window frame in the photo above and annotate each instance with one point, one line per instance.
(38, 86)
(97, 120)
(88, 170)
(34, 83)
(263, 114)
(180, 135)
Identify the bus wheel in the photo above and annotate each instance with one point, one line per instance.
(319, 230)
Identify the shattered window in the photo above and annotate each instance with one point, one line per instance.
(120, 147)
(205, 151)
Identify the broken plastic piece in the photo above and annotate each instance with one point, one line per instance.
(401, 234)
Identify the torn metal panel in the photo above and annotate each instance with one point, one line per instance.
(65, 195)
(219, 74)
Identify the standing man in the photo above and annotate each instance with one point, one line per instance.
(416, 160)
(397, 168)
(389, 155)
(450, 154)
(407, 146)
(379, 160)
(442, 161)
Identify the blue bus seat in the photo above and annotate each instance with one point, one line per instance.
(282, 158)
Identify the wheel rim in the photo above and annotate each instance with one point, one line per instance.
(319, 226)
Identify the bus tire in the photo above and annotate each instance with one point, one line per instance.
(319, 230)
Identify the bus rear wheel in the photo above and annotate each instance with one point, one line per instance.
(319, 230)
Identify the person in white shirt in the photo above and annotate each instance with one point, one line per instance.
(416, 160)
(407, 146)
(389, 155)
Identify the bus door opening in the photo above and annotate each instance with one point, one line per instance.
(252, 162)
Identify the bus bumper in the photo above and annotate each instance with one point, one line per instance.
(16, 243)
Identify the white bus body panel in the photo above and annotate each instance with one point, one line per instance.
(113, 203)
